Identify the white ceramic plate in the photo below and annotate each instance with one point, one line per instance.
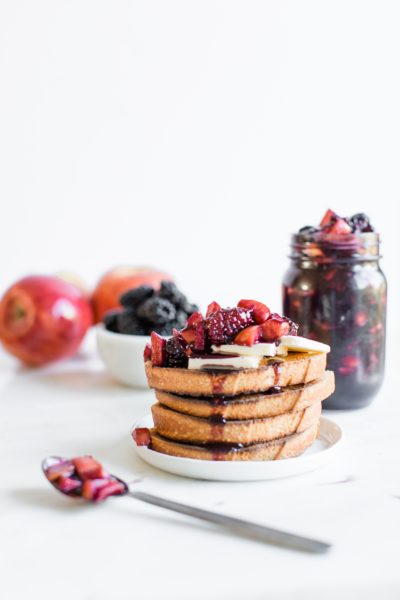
(323, 449)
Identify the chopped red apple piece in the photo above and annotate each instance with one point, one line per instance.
(67, 484)
(194, 320)
(261, 312)
(158, 354)
(326, 219)
(200, 337)
(63, 468)
(188, 335)
(142, 437)
(147, 353)
(212, 308)
(113, 488)
(274, 328)
(338, 227)
(88, 468)
(91, 487)
(248, 336)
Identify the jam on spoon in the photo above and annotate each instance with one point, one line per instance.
(82, 477)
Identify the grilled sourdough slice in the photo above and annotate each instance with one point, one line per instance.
(253, 406)
(286, 447)
(185, 428)
(293, 369)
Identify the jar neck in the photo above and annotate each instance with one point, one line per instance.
(323, 249)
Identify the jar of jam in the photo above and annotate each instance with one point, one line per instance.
(336, 291)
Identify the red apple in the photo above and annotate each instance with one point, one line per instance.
(119, 280)
(43, 318)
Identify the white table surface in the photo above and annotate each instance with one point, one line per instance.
(52, 548)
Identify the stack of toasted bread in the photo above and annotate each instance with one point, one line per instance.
(268, 413)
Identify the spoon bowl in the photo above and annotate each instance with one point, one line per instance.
(82, 477)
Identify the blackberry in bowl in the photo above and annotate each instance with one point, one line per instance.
(336, 289)
(124, 333)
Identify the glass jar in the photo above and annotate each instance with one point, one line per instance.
(336, 292)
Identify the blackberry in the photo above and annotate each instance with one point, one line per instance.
(360, 223)
(169, 291)
(157, 310)
(176, 356)
(133, 298)
(180, 320)
(189, 309)
(164, 329)
(293, 327)
(129, 324)
(110, 320)
(308, 230)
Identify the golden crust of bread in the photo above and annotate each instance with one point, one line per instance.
(176, 426)
(253, 406)
(286, 447)
(296, 368)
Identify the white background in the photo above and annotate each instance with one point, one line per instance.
(194, 137)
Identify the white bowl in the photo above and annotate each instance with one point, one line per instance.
(123, 355)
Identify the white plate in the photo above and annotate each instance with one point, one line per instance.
(323, 449)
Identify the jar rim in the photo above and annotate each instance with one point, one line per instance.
(339, 239)
(323, 248)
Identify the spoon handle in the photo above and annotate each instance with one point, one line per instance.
(239, 526)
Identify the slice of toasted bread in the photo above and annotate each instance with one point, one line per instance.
(253, 406)
(177, 426)
(294, 369)
(286, 447)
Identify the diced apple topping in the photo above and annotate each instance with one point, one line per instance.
(91, 487)
(261, 312)
(327, 218)
(189, 335)
(248, 336)
(142, 437)
(212, 308)
(61, 469)
(275, 328)
(147, 353)
(113, 488)
(84, 477)
(158, 354)
(194, 320)
(68, 485)
(88, 468)
(247, 324)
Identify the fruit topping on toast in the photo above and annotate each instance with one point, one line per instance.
(141, 436)
(229, 338)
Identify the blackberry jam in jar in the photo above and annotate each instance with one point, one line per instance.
(336, 290)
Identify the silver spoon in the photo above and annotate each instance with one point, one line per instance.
(238, 526)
